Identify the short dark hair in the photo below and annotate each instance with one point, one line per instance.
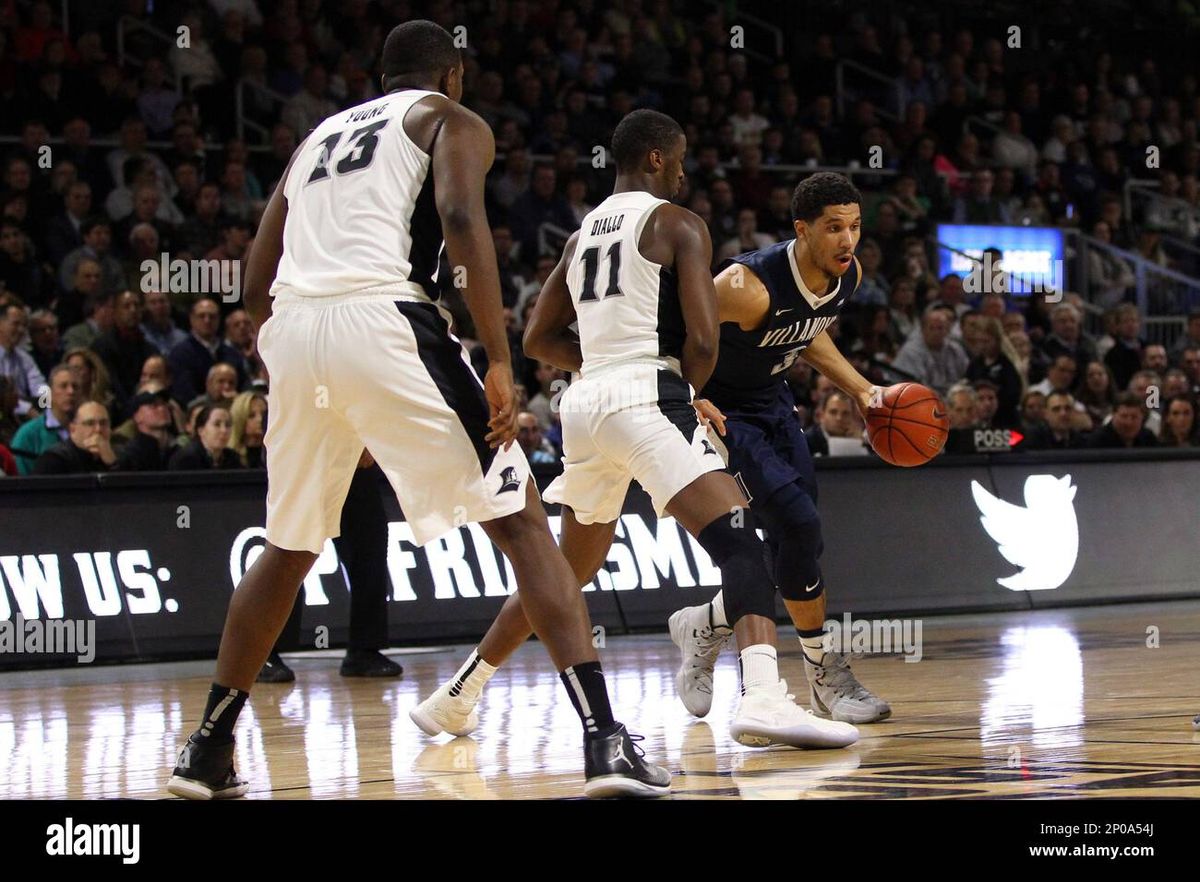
(640, 132)
(817, 191)
(92, 222)
(1130, 399)
(418, 47)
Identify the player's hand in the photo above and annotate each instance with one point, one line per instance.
(871, 398)
(502, 401)
(709, 414)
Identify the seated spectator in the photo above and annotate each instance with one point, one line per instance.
(995, 363)
(1175, 382)
(1127, 426)
(748, 237)
(1033, 410)
(1180, 427)
(1189, 363)
(47, 348)
(980, 206)
(98, 312)
(1189, 339)
(1066, 336)
(124, 348)
(903, 312)
(1058, 432)
(220, 386)
(875, 342)
(1060, 376)
(159, 325)
(147, 212)
(192, 359)
(64, 233)
(20, 271)
(529, 436)
(154, 434)
(201, 232)
(987, 404)
(97, 242)
(961, 409)
(311, 104)
(209, 448)
(1154, 358)
(87, 449)
(15, 363)
(873, 287)
(929, 357)
(68, 306)
(9, 422)
(91, 375)
(249, 416)
(1109, 276)
(541, 206)
(1125, 356)
(49, 428)
(1147, 386)
(551, 382)
(1098, 393)
(836, 432)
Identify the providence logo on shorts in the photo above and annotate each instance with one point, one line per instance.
(508, 480)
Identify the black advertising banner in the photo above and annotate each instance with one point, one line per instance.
(127, 567)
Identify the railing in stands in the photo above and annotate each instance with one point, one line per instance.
(243, 122)
(890, 91)
(126, 25)
(744, 17)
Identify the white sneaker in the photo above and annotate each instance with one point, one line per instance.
(443, 712)
(700, 644)
(768, 715)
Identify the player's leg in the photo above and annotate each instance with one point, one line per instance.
(311, 456)
(453, 706)
(712, 509)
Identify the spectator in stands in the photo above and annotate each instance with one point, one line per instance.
(1175, 382)
(1154, 358)
(1060, 376)
(42, 432)
(1125, 356)
(159, 326)
(987, 404)
(1098, 392)
(512, 271)
(311, 104)
(1058, 431)
(220, 386)
(270, 166)
(15, 363)
(996, 363)
(1180, 427)
(835, 432)
(1109, 276)
(748, 237)
(248, 415)
(90, 374)
(1033, 410)
(902, 314)
(1189, 363)
(20, 271)
(239, 336)
(201, 232)
(155, 433)
(1066, 335)
(980, 206)
(551, 383)
(155, 102)
(540, 206)
(1023, 347)
(69, 306)
(192, 359)
(873, 287)
(148, 212)
(142, 244)
(1147, 386)
(962, 410)
(529, 291)
(98, 320)
(1126, 429)
(87, 448)
(209, 448)
(64, 232)
(930, 356)
(133, 138)
(188, 180)
(45, 343)
(1190, 338)
(529, 435)
(97, 241)
(124, 348)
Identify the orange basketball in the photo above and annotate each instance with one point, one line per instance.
(910, 426)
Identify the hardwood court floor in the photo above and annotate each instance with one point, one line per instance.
(1065, 703)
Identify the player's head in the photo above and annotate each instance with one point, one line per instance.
(421, 53)
(652, 144)
(827, 216)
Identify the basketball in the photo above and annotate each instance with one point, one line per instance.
(910, 425)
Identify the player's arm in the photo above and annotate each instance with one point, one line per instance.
(262, 262)
(742, 298)
(463, 151)
(697, 296)
(547, 336)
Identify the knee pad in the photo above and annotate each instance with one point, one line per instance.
(747, 587)
(795, 529)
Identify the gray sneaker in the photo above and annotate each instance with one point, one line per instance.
(836, 693)
(699, 644)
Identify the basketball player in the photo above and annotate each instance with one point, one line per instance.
(360, 355)
(636, 278)
(769, 316)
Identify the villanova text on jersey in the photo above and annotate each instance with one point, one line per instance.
(752, 365)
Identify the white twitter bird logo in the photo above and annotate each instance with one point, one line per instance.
(1042, 537)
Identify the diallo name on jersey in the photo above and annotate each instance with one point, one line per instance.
(611, 224)
(800, 332)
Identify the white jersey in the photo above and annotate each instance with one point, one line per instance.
(361, 214)
(627, 306)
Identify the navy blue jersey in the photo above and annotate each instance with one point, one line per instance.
(752, 365)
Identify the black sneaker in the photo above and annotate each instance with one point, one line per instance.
(614, 766)
(369, 663)
(275, 671)
(205, 771)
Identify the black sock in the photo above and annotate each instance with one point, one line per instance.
(221, 713)
(589, 695)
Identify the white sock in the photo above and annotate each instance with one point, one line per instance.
(472, 677)
(814, 648)
(717, 612)
(759, 667)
